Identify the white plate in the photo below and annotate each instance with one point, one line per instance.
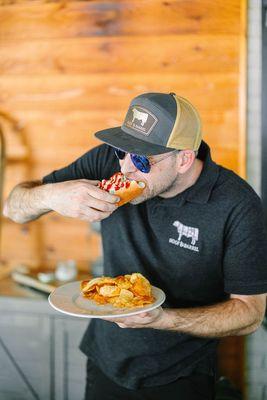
(69, 300)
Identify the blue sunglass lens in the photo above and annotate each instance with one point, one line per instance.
(141, 162)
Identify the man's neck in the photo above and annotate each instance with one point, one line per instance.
(186, 180)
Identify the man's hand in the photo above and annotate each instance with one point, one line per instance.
(76, 198)
(156, 319)
(81, 199)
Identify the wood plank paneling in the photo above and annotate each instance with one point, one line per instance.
(22, 244)
(68, 97)
(104, 53)
(69, 93)
(50, 20)
(197, 54)
(231, 359)
(48, 240)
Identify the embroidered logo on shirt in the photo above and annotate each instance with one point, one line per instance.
(188, 232)
(140, 119)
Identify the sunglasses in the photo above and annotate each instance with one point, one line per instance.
(142, 163)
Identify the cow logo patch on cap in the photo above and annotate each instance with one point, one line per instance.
(140, 119)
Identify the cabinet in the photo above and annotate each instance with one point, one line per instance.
(39, 354)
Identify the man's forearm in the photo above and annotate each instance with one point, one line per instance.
(232, 317)
(27, 202)
(240, 315)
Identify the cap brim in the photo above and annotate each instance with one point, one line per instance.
(116, 137)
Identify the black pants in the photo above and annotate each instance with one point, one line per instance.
(193, 387)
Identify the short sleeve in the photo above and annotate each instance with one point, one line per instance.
(96, 164)
(245, 251)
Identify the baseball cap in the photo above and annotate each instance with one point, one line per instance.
(156, 123)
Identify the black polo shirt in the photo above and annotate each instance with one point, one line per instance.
(199, 247)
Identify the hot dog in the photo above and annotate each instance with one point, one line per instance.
(123, 187)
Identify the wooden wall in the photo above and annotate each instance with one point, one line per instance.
(69, 68)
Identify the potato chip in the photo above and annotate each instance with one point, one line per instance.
(109, 290)
(122, 291)
(99, 299)
(126, 295)
(88, 286)
(141, 286)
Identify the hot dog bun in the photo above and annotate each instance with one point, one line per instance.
(123, 187)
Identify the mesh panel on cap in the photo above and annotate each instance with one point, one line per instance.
(186, 132)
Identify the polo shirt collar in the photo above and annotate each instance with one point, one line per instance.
(200, 192)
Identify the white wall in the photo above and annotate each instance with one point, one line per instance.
(254, 95)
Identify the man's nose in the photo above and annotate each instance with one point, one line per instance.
(127, 165)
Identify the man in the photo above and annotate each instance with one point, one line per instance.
(196, 232)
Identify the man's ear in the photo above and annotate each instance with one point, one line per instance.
(185, 160)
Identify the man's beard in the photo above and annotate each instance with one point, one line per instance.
(160, 191)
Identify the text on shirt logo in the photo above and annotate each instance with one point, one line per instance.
(188, 232)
